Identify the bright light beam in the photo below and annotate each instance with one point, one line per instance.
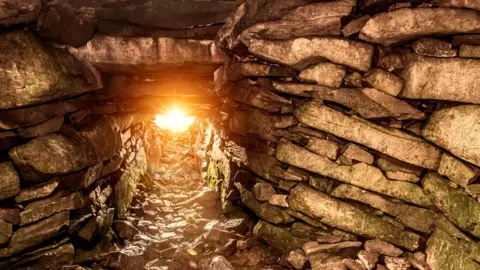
(175, 121)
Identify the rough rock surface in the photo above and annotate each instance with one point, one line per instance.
(300, 53)
(10, 182)
(33, 73)
(407, 23)
(456, 129)
(440, 78)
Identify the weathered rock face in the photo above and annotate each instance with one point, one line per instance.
(135, 55)
(10, 182)
(317, 204)
(301, 52)
(34, 73)
(406, 24)
(19, 11)
(391, 142)
(456, 129)
(441, 79)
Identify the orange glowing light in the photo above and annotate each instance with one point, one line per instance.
(175, 121)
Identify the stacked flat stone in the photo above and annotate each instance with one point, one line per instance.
(352, 131)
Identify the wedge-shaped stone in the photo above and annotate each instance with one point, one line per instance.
(433, 47)
(460, 208)
(360, 174)
(278, 237)
(383, 81)
(355, 26)
(37, 191)
(441, 78)
(49, 126)
(5, 231)
(44, 208)
(456, 170)
(259, 97)
(368, 102)
(148, 54)
(9, 180)
(392, 142)
(355, 152)
(402, 176)
(456, 129)
(409, 23)
(387, 163)
(265, 211)
(302, 52)
(50, 155)
(239, 70)
(447, 253)
(35, 234)
(324, 148)
(32, 73)
(347, 217)
(324, 73)
(314, 247)
(417, 218)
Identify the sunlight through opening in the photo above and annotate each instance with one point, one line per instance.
(175, 121)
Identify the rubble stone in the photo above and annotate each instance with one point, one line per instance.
(433, 47)
(324, 148)
(297, 259)
(9, 181)
(15, 11)
(369, 259)
(382, 247)
(355, 26)
(469, 51)
(277, 236)
(278, 200)
(263, 191)
(38, 191)
(456, 170)
(354, 152)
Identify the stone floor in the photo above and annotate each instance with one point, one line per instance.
(177, 223)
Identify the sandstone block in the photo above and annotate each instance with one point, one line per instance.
(382, 247)
(402, 176)
(466, 39)
(239, 70)
(9, 181)
(263, 191)
(324, 73)
(353, 264)
(259, 97)
(49, 126)
(383, 81)
(456, 170)
(469, 51)
(369, 259)
(302, 52)
(314, 247)
(324, 148)
(408, 23)
(37, 191)
(388, 141)
(456, 129)
(360, 174)
(5, 231)
(334, 213)
(297, 259)
(459, 208)
(441, 78)
(278, 200)
(277, 237)
(354, 152)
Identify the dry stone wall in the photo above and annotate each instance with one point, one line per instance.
(351, 131)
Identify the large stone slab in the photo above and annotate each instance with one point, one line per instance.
(44, 208)
(250, 13)
(51, 155)
(392, 142)
(19, 11)
(460, 208)
(417, 218)
(32, 73)
(35, 234)
(11, 119)
(302, 52)
(447, 253)
(441, 78)
(456, 129)
(347, 217)
(9, 181)
(278, 237)
(360, 174)
(147, 54)
(410, 23)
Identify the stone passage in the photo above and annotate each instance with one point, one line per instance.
(351, 130)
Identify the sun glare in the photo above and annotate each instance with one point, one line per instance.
(175, 121)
